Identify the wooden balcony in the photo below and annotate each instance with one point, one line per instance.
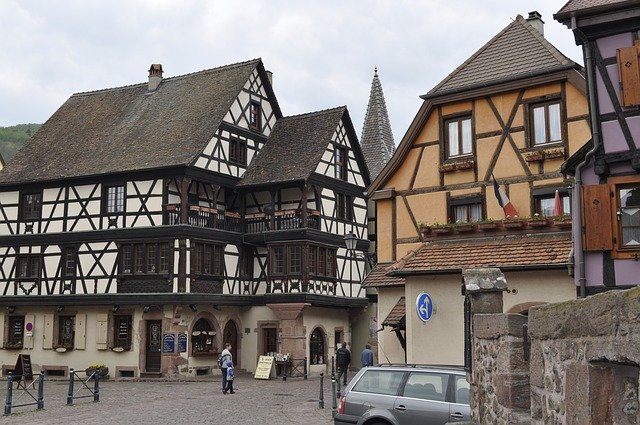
(211, 218)
(281, 220)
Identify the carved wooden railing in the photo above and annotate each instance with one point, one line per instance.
(205, 217)
(282, 220)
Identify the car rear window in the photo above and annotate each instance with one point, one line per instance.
(379, 382)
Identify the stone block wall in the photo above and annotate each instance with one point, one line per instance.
(583, 366)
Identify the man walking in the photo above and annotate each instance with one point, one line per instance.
(367, 356)
(343, 359)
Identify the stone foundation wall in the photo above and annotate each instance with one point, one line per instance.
(583, 366)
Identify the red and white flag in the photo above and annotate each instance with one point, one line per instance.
(503, 200)
(557, 205)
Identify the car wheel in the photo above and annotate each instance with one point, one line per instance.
(377, 423)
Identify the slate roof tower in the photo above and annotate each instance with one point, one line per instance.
(377, 140)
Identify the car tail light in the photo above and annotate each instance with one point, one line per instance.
(340, 409)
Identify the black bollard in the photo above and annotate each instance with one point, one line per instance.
(334, 406)
(7, 403)
(70, 392)
(41, 390)
(333, 368)
(338, 388)
(304, 369)
(321, 401)
(96, 385)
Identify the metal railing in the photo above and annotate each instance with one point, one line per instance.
(95, 392)
(11, 401)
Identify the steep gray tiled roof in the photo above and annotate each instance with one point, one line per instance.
(377, 140)
(294, 148)
(516, 52)
(130, 128)
(578, 5)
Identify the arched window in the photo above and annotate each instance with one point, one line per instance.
(316, 347)
(202, 337)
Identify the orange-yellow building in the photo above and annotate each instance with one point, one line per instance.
(514, 111)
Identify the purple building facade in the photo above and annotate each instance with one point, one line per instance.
(606, 195)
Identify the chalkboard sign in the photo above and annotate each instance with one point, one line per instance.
(168, 343)
(182, 343)
(23, 368)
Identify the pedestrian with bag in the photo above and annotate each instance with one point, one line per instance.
(223, 358)
(343, 360)
(367, 356)
(230, 377)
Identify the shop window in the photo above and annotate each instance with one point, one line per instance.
(145, 258)
(122, 331)
(341, 163)
(255, 116)
(544, 122)
(316, 347)
(15, 332)
(113, 200)
(30, 206)
(629, 71)
(459, 136)
(66, 327)
(344, 207)
(202, 337)
(238, 151)
(207, 259)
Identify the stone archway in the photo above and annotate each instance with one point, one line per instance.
(230, 335)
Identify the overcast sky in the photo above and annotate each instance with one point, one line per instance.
(322, 53)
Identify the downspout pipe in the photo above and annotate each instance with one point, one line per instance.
(595, 133)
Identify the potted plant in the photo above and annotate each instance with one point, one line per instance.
(424, 228)
(100, 368)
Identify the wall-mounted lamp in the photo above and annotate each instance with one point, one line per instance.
(146, 308)
(193, 307)
(60, 308)
(11, 308)
(350, 240)
(115, 308)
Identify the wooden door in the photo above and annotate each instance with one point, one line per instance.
(154, 346)
(270, 341)
(230, 335)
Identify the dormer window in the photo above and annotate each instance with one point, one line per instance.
(254, 116)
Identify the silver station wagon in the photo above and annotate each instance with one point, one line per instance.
(405, 395)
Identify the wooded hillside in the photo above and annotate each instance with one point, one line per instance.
(14, 137)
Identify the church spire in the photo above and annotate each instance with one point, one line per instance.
(377, 140)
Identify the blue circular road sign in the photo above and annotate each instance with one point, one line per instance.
(424, 306)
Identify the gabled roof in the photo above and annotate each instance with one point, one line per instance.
(377, 139)
(131, 128)
(528, 251)
(589, 6)
(518, 51)
(295, 147)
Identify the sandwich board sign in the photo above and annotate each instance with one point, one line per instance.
(265, 368)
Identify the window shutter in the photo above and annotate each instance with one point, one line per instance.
(596, 213)
(629, 68)
(3, 329)
(47, 334)
(27, 342)
(81, 332)
(101, 331)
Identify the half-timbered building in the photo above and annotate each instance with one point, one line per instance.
(607, 189)
(145, 226)
(502, 122)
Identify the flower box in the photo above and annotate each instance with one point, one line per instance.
(563, 222)
(465, 227)
(514, 224)
(539, 222)
(103, 372)
(442, 230)
(424, 230)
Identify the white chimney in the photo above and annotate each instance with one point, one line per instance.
(155, 76)
(535, 19)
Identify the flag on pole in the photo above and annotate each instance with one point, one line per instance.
(557, 205)
(503, 200)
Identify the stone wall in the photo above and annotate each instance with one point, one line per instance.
(582, 368)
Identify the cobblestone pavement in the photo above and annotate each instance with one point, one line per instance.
(272, 402)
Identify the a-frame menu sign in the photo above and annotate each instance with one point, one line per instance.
(23, 370)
